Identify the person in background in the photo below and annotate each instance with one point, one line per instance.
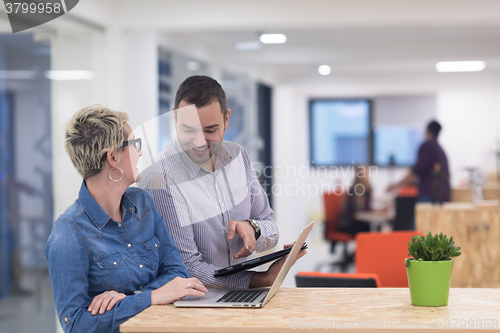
(110, 254)
(208, 193)
(431, 171)
(358, 198)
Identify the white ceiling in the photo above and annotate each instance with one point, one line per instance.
(362, 40)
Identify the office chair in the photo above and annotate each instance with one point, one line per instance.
(334, 204)
(384, 254)
(381, 254)
(336, 280)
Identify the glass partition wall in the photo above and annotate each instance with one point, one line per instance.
(46, 74)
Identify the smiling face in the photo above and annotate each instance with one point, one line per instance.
(200, 131)
(129, 159)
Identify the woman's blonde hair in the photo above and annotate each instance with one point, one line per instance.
(90, 133)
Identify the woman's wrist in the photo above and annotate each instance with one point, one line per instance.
(154, 295)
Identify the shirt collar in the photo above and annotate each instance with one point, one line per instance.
(95, 212)
(128, 205)
(223, 158)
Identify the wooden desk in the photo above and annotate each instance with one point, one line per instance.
(476, 229)
(355, 308)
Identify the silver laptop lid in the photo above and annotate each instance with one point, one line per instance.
(290, 260)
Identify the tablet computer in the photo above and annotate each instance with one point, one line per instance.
(254, 262)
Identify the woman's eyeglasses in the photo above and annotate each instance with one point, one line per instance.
(136, 142)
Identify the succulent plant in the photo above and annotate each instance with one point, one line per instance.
(432, 248)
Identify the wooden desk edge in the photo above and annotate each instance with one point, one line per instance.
(397, 294)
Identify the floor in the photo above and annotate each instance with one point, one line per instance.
(32, 310)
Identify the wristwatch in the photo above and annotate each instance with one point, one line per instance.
(256, 227)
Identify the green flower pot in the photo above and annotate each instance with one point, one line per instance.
(429, 281)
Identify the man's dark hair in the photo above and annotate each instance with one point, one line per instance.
(434, 128)
(201, 91)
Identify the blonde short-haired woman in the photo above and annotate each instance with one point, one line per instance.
(110, 254)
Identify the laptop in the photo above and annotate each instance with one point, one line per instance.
(254, 298)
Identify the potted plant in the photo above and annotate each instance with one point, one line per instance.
(429, 271)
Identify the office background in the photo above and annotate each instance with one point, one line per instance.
(131, 55)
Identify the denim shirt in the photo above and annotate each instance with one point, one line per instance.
(89, 253)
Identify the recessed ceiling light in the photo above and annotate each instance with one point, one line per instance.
(460, 66)
(324, 70)
(247, 46)
(272, 38)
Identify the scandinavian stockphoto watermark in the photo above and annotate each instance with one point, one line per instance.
(319, 179)
(355, 324)
(26, 14)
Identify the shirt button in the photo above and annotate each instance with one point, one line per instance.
(119, 224)
(129, 245)
(221, 204)
(66, 319)
(140, 266)
(131, 208)
(156, 245)
(114, 263)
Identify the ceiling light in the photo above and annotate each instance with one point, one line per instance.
(193, 65)
(460, 66)
(273, 38)
(324, 70)
(73, 75)
(247, 46)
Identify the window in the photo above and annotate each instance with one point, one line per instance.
(340, 132)
(397, 143)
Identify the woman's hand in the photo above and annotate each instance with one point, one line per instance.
(105, 302)
(176, 289)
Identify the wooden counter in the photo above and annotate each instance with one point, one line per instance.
(363, 309)
(474, 228)
(490, 192)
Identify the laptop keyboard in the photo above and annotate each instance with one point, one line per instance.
(239, 296)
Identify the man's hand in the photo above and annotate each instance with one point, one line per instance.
(265, 279)
(105, 302)
(247, 233)
(409, 179)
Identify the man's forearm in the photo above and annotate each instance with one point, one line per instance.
(409, 179)
(260, 279)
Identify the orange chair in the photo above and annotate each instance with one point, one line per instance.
(408, 191)
(384, 254)
(334, 204)
(336, 280)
